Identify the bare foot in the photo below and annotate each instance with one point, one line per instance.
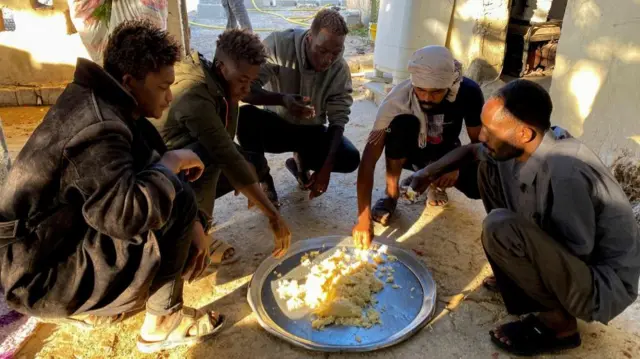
(437, 196)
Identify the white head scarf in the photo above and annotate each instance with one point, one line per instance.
(431, 67)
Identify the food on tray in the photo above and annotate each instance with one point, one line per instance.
(408, 193)
(339, 289)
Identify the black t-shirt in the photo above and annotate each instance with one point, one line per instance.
(445, 120)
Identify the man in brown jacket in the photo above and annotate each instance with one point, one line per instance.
(95, 220)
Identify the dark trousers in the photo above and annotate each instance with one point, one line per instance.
(261, 131)
(533, 271)
(214, 184)
(401, 142)
(174, 240)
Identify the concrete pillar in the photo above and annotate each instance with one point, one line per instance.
(5, 160)
(178, 23)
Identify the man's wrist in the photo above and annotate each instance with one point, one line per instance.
(364, 217)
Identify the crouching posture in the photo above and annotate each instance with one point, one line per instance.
(419, 122)
(560, 234)
(96, 222)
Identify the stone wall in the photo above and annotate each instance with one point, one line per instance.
(477, 36)
(595, 83)
(38, 58)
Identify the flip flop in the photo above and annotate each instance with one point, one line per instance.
(179, 334)
(435, 195)
(530, 337)
(383, 210)
(217, 249)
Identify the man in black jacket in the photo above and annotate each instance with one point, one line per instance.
(95, 219)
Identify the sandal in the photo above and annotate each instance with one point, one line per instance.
(179, 334)
(437, 196)
(383, 210)
(529, 337)
(301, 177)
(217, 250)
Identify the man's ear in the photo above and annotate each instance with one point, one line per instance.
(526, 134)
(128, 82)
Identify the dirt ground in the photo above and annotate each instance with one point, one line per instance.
(448, 238)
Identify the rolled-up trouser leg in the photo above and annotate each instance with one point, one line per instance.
(174, 240)
(533, 271)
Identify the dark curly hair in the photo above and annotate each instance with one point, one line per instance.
(241, 45)
(138, 47)
(331, 20)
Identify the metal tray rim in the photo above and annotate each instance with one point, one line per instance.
(421, 320)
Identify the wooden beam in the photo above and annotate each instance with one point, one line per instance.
(178, 23)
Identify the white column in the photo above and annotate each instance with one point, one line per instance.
(178, 23)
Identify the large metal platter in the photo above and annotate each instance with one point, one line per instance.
(403, 311)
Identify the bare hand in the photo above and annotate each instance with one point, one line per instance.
(363, 234)
(448, 180)
(319, 182)
(420, 181)
(198, 253)
(183, 161)
(299, 106)
(281, 236)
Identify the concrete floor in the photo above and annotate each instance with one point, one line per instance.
(448, 238)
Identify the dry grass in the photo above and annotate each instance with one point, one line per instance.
(626, 170)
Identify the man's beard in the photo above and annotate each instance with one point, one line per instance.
(506, 152)
(428, 106)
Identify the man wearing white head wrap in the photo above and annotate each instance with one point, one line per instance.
(418, 122)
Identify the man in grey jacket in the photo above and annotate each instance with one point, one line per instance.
(307, 84)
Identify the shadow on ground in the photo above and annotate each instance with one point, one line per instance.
(447, 238)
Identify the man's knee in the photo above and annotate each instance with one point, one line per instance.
(350, 160)
(184, 209)
(402, 134)
(248, 117)
(498, 231)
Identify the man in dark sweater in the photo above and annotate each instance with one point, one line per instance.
(96, 221)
